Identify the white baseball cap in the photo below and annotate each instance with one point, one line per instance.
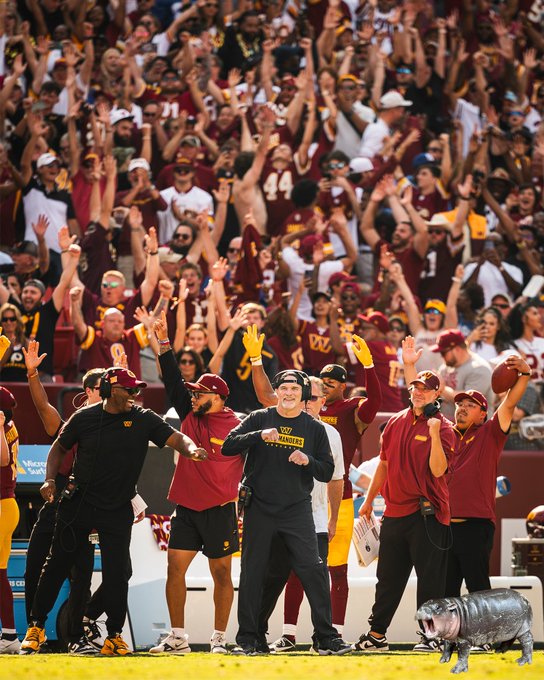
(46, 159)
(440, 220)
(120, 114)
(393, 99)
(168, 255)
(136, 163)
(361, 165)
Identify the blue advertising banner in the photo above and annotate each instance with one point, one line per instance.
(31, 463)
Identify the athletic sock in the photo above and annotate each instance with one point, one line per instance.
(8, 634)
(294, 592)
(6, 602)
(339, 593)
(178, 632)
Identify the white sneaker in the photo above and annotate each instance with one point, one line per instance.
(9, 646)
(218, 644)
(172, 645)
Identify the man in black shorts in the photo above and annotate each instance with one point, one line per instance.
(112, 438)
(286, 449)
(205, 494)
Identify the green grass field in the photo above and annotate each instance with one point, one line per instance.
(200, 666)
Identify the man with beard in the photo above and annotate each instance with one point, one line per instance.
(40, 318)
(121, 138)
(205, 518)
(410, 240)
(112, 440)
(243, 43)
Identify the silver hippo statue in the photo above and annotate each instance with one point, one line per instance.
(484, 617)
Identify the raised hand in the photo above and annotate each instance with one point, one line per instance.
(65, 240)
(253, 341)
(32, 356)
(362, 351)
(151, 241)
(166, 288)
(160, 327)
(222, 194)
(219, 269)
(135, 219)
(238, 320)
(465, 188)
(40, 226)
(76, 294)
(409, 353)
(235, 75)
(142, 315)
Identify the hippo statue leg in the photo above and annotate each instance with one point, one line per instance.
(526, 642)
(463, 650)
(448, 649)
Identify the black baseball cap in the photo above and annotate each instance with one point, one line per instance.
(335, 372)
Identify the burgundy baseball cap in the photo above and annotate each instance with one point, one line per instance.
(7, 400)
(340, 277)
(308, 244)
(475, 396)
(209, 382)
(448, 340)
(376, 319)
(429, 379)
(124, 378)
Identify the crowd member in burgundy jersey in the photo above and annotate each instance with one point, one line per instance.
(350, 417)
(410, 240)
(114, 284)
(429, 196)
(417, 445)
(315, 340)
(277, 180)
(104, 347)
(374, 328)
(472, 480)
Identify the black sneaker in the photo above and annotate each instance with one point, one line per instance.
(427, 644)
(244, 650)
(82, 648)
(333, 646)
(368, 643)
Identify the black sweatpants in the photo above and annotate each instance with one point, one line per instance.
(295, 526)
(469, 557)
(80, 577)
(407, 542)
(277, 575)
(75, 521)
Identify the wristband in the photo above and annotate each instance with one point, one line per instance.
(456, 279)
(164, 342)
(462, 198)
(520, 373)
(64, 251)
(32, 375)
(154, 252)
(49, 480)
(256, 361)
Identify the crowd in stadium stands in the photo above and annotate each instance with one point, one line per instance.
(361, 166)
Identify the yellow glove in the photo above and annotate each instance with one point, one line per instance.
(361, 351)
(253, 342)
(4, 344)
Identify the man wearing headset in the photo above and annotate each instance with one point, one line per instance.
(286, 450)
(414, 454)
(112, 438)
